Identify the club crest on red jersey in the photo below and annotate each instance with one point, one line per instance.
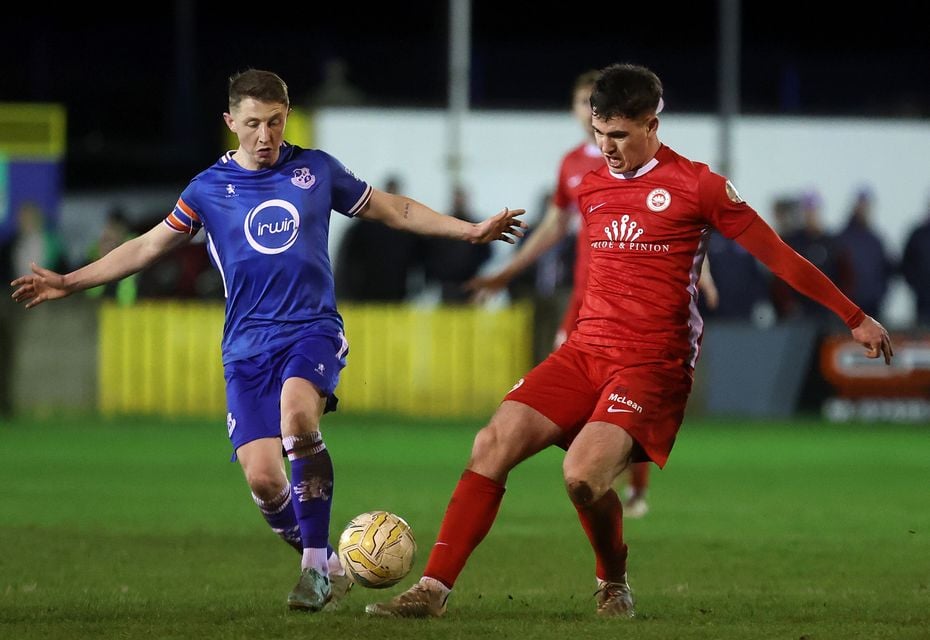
(658, 200)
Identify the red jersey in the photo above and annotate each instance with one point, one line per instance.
(576, 164)
(647, 232)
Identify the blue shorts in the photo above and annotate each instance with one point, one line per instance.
(253, 385)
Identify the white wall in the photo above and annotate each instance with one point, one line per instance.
(510, 159)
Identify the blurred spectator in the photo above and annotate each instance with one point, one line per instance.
(741, 283)
(374, 261)
(32, 242)
(787, 213)
(450, 263)
(915, 267)
(820, 249)
(864, 257)
(116, 231)
(35, 242)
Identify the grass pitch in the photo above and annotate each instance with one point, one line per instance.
(143, 529)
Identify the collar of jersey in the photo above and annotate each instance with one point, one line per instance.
(227, 158)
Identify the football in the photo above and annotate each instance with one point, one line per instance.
(377, 549)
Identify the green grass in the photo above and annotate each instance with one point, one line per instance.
(143, 529)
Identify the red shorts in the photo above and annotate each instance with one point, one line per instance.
(642, 392)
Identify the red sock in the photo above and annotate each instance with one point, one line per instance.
(468, 519)
(639, 481)
(603, 522)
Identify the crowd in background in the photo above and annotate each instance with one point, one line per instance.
(374, 263)
(854, 257)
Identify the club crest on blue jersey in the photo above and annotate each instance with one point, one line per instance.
(272, 226)
(303, 178)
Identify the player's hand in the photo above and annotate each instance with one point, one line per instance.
(43, 284)
(482, 288)
(504, 226)
(873, 336)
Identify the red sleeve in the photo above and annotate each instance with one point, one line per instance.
(725, 210)
(761, 241)
(561, 197)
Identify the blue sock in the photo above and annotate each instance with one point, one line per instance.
(312, 486)
(280, 515)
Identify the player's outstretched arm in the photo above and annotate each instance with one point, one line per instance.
(761, 241)
(406, 214)
(133, 255)
(553, 228)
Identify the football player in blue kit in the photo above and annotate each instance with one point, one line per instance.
(265, 208)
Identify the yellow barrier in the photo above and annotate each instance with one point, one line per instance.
(32, 131)
(163, 358)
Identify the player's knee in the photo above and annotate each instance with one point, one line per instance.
(583, 492)
(493, 454)
(485, 444)
(579, 491)
(265, 484)
(298, 420)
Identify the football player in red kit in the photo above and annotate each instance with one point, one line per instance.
(615, 392)
(556, 225)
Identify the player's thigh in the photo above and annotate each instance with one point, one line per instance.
(646, 397)
(309, 373)
(597, 456)
(561, 390)
(516, 432)
(302, 405)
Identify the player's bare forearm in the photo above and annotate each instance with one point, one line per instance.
(406, 214)
(43, 285)
(130, 257)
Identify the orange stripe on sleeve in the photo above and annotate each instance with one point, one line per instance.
(186, 209)
(175, 223)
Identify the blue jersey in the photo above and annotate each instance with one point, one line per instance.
(268, 235)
